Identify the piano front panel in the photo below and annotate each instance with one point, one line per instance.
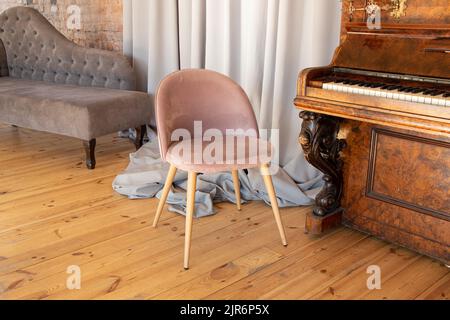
(396, 54)
(411, 172)
(396, 187)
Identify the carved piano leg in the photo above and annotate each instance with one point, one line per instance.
(319, 139)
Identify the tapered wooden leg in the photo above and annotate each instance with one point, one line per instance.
(89, 148)
(190, 207)
(165, 193)
(273, 200)
(237, 189)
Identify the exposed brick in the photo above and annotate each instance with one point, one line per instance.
(101, 20)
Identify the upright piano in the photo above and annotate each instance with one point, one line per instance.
(376, 122)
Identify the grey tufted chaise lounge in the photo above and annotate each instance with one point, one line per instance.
(50, 84)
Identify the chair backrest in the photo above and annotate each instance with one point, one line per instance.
(37, 51)
(187, 96)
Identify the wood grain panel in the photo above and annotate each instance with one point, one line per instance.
(408, 227)
(410, 172)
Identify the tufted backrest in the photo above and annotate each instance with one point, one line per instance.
(35, 50)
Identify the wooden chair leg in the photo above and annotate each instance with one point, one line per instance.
(273, 200)
(140, 136)
(165, 193)
(190, 207)
(89, 148)
(237, 189)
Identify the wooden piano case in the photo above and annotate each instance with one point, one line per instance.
(386, 163)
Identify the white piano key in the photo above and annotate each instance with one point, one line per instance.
(388, 94)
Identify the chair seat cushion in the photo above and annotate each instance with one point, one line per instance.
(230, 153)
(80, 112)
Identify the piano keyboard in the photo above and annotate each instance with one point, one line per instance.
(395, 92)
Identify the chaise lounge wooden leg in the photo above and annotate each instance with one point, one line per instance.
(140, 136)
(165, 193)
(265, 171)
(89, 148)
(190, 208)
(237, 189)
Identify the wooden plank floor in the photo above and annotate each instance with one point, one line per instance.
(54, 213)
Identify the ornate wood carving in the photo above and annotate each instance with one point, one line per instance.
(319, 139)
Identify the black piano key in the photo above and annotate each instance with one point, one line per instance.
(386, 87)
(428, 92)
(410, 90)
(446, 95)
(437, 93)
(403, 89)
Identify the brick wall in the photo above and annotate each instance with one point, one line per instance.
(100, 20)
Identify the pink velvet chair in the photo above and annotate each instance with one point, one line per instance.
(189, 96)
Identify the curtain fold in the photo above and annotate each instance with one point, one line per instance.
(261, 44)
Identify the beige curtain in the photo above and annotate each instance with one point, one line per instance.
(262, 44)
